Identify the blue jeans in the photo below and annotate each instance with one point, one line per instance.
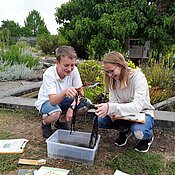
(141, 131)
(48, 108)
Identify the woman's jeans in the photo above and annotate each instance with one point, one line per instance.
(141, 131)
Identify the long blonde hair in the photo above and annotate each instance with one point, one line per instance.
(118, 59)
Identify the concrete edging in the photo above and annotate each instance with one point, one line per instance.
(163, 119)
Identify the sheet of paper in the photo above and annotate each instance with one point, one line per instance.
(117, 172)
(51, 171)
(139, 117)
(12, 145)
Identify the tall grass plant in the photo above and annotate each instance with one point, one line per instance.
(161, 77)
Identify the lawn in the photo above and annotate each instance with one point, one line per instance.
(160, 160)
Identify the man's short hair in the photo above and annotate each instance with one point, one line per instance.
(65, 51)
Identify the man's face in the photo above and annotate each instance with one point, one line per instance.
(65, 66)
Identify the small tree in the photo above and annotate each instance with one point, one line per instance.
(99, 26)
(48, 43)
(4, 38)
(34, 25)
(13, 27)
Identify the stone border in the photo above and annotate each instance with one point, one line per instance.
(8, 99)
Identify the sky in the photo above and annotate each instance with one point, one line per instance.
(18, 10)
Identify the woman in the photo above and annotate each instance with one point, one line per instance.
(128, 95)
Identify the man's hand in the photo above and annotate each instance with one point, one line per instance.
(70, 92)
(80, 91)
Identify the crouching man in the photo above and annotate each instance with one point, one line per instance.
(56, 98)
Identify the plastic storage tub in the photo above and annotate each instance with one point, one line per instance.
(74, 147)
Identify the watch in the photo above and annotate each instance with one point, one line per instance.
(72, 107)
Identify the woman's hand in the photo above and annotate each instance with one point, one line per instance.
(69, 114)
(114, 117)
(102, 109)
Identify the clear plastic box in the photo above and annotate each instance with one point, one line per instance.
(74, 147)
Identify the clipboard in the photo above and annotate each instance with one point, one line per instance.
(139, 117)
(11, 146)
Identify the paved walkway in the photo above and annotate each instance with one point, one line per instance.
(9, 99)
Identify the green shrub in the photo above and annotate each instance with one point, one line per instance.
(15, 55)
(23, 45)
(91, 72)
(161, 78)
(15, 72)
(4, 38)
(158, 94)
(48, 43)
(158, 74)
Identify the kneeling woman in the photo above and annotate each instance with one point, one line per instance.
(128, 95)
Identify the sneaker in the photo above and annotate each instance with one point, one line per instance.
(123, 138)
(61, 125)
(143, 145)
(47, 130)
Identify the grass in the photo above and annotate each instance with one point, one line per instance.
(137, 163)
(171, 168)
(8, 162)
(4, 134)
(7, 159)
(107, 161)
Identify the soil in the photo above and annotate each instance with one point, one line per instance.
(29, 127)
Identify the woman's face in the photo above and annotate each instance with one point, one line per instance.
(112, 70)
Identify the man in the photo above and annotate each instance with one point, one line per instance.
(56, 98)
